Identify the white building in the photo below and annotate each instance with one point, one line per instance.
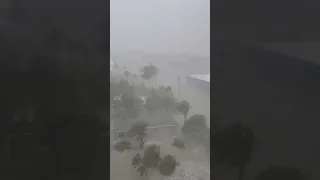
(199, 81)
(111, 64)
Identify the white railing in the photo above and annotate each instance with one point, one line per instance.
(186, 177)
(117, 132)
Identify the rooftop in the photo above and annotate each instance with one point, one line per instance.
(203, 77)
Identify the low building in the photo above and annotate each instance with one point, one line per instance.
(199, 81)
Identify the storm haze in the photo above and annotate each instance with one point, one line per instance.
(166, 27)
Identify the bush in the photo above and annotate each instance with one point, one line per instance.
(121, 146)
(138, 128)
(195, 124)
(167, 165)
(151, 156)
(179, 143)
(153, 102)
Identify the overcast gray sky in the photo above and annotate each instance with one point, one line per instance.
(161, 26)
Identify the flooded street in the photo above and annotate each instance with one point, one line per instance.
(168, 76)
(121, 162)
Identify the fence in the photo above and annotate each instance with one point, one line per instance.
(185, 176)
(152, 131)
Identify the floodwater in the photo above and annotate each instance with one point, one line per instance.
(121, 161)
(168, 76)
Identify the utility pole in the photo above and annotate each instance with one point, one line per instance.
(178, 84)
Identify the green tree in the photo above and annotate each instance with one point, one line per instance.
(149, 71)
(151, 156)
(131, 102)
(131, 106)
(138, 131)
(152, 159)
(167, 165)
(166, 98)
(195, 125)
(141, 168)
(154, 72)
(169, 88)
(183, 107)
(136, 160)
(146, 74)
(153, 102)
(138, 128)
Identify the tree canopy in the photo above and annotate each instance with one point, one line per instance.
(151, 156)
(167, 165)
(195, 124)
(122, 145)
(138, 128)
(183, 107)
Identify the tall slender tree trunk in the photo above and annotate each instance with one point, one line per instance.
(178, 85)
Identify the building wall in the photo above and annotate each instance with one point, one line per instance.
(278, 97)
(198, 84)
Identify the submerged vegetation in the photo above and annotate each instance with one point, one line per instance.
(122, 146)
(232, 145)
(153, 100)
(179, 143)
(152, 159)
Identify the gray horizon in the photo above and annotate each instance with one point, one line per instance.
(161, 27)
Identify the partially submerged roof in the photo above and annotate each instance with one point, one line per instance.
(307, 51)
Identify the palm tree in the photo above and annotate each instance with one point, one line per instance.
(152, 159)
(183, 107)
(137, 162)
(138, 131)
(148, 72)
(151, 156)
(127, 74)
(154, 72)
